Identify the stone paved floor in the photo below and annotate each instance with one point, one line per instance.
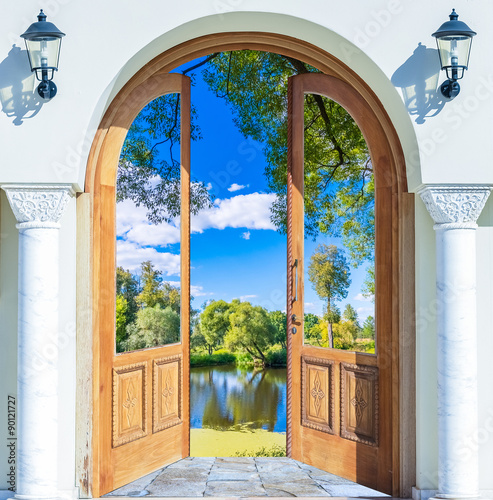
(242, 477)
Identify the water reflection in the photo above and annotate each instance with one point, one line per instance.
(227, 397)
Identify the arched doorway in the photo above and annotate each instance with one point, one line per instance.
(396, 274)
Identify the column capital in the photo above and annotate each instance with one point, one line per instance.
(38, 205)
(455, 206)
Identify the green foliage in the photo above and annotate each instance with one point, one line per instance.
(364, 345)
(369, 283)
(345, 333)
(339, 188)
(251, 331)
(368, 330)
(276, 357)
(153, 327)
(217, 358)
(274, 451)
(350, 313)
(214, 323)
(151, 292)
(149, 177)
(279, 320)
(329, 274)
(121, 320)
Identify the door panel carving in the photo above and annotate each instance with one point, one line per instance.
(359, 403)
(317, 394)
(166, 393)
(129, 403)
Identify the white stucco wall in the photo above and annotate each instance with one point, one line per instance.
(107, 42)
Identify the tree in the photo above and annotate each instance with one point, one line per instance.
(214, 323)
(121, 321)
(339, 187)
(251, 331)
(127, 287)
(151, 292)
(344, 334)
(153, 327)
(329, 274)
(279, 320)
(368, 331)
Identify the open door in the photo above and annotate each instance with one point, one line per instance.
(341, 415)
(142, 397)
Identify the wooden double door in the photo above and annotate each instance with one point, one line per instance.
(339, 403)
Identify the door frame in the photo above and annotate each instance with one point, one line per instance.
(101, 170)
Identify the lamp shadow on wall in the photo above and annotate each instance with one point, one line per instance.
(18, 96)
(418, 80)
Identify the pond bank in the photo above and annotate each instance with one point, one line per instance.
(215, 443)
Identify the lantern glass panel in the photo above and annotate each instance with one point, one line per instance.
(454, 54)
(44, 54)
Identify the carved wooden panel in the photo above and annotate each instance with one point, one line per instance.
(166, 393)
(317, 394)
(129, 403)
(359, 403)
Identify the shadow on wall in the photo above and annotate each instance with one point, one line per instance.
(18, 96)
(418, 80)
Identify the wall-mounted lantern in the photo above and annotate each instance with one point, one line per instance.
(43, 40)
(454, 40)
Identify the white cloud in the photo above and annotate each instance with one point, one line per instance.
(130, 255)
(236, 187)
(309, 306)
(209, 186)
(246, 236)
(245, 297)
(198, 291)
(362, 298)
(251, 211)
(132, 225)
(364, 312)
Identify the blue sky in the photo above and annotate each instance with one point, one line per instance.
(235, 250)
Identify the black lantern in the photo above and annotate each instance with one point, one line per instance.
(454, 39)
(43, 40)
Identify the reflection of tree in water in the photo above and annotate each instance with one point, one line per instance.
(233, 398)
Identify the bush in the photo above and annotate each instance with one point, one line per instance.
(274, 451)
(277, 357)
(218, 358)
(244, 359)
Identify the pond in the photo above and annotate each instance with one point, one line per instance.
(228, 398)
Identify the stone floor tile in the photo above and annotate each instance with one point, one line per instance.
(274, 466)
(279, 476)
(136, 487)
(234, 488)
(175, 488)
(351, 490)
(234, 466)
(233, 475)
(327, 478)
(191, 465)
(297, 489)
(184, 474)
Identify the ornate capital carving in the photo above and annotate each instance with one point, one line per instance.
(455, 207)
(39, 205)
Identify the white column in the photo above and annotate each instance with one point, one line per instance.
(38, 209)
(455, 210)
